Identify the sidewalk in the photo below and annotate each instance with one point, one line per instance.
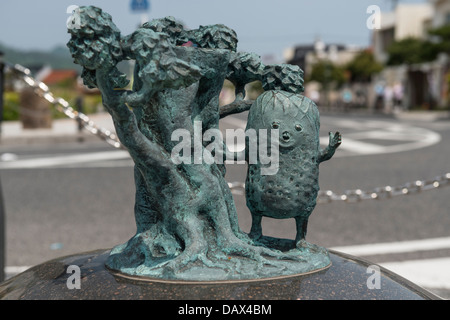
(62, 130)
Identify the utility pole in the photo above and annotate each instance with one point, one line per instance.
(2, 237)
(2, 206)
(2, 87)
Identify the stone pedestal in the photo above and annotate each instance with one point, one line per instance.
(35, 111)
(346, 279)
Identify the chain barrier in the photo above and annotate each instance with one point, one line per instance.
(63, 106)
(349, 196)
(357, 195)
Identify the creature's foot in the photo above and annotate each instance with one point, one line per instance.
(303, 245)
(256, 229)
(255, 236)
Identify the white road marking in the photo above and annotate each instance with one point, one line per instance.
(357, 143)
(357, 147)
(64, 160)
(11, 271)
(409, 138)
(396, 247)
(428, 273)
(354, 143)
(8, 157)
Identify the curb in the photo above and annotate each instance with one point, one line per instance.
(423, 116)
(48, 139)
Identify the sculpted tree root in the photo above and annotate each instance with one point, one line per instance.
(186, 220)
(234, 260)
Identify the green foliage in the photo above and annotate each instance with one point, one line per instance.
(442, 35)
(328, 74)
(363, 67)
(57, 58)
(91, 103)
(11, 106)
(411, 51)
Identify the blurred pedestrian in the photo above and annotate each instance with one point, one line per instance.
(347, 98)
(379, 96)
(79, 106)
(398, 95)
(315, 96)
(388, 98)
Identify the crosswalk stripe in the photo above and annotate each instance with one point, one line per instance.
(396, 247)
(427, 273)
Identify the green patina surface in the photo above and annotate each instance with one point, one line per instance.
(186, 220)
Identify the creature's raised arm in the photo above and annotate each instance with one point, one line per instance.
(328, 152)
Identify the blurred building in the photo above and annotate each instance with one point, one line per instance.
(407, 20)
(421, 85)
(441, 13)
(306, 56)
(60, 76)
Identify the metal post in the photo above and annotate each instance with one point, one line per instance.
(2, 87)
(2, 213)
(2, 237)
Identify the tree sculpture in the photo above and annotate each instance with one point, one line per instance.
(187, 226)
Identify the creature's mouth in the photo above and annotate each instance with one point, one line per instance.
(286, 136)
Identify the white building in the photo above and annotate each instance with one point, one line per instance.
(441, 13)
(424, 84)
(407, 20)
(306, 56)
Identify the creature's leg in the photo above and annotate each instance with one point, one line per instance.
(302, 225)
(256, 230)
(300, 241)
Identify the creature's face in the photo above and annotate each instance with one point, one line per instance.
(293, 131)
(294, 116)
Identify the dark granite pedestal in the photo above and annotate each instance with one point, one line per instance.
(345, 279)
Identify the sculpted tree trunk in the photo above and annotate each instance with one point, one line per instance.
(187, 226)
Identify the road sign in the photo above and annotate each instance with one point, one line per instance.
(140, 5)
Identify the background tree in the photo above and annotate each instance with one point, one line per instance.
(362, 67)
(328, 74)
(411, 51)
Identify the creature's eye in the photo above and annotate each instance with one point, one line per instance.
(275, 125)
(298, 127)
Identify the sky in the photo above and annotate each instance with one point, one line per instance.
(264, 27)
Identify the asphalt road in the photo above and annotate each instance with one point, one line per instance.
(63, 199)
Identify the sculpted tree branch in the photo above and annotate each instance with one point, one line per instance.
(186, 220)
